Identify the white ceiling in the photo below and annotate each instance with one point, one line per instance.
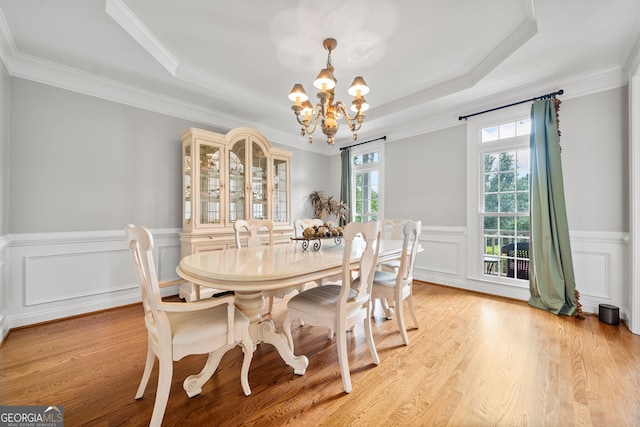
(233, 63)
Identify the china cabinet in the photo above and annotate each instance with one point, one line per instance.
(227, 177)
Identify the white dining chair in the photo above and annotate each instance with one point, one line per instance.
(251, 228)
(340, 307)
(391, 228)
(178, 329)
(397, 286)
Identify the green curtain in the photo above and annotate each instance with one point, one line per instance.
(345, 183)
(551, 276)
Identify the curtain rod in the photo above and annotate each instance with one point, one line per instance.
(361, 143)
(547, 96)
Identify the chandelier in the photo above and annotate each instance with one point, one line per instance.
(326, 112)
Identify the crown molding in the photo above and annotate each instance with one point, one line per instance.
(514, 41)
(120, 13)
(7, 44)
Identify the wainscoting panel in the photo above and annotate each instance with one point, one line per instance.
(4, 285)
(593, 273)
(600, 264)
(443, 257)
(58, 275)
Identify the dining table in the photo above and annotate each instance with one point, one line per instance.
(248, 272)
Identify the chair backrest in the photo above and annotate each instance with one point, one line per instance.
(366, 238)
(141, 245)
(392, 228)
(410, 242)
(301, 224)
(252, 226)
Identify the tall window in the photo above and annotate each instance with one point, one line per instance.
(502, 156)
(366, 179)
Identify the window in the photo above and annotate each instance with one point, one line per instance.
(366, 183)
(499, 185)
(505, 214)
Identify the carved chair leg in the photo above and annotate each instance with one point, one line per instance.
(148, 367)
(162, 395)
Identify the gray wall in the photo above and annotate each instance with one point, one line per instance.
(80, 163)
(4, 150)
(594, 140)
(430, 183)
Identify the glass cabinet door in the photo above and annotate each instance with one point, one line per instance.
(280, 190)
(187, 186)
(209, 184)
(259, 162)
(237, 163)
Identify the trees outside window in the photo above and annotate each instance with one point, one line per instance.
(366, 179)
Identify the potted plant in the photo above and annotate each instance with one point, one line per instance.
(326, 207)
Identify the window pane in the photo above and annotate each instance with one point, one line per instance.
(490, 162)
(366, 158)
(370, 157)
(491, 203)
(523, 202)
(507, 161)
(491, 183)
(523, 160)
(507, 202)
(523, 181)
(523, 225)
(507, 130)
(507, 181)
(490, 134)
(523, 127)
(508, 225)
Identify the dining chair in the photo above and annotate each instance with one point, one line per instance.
(252, 227)
(391, 228)
(397, 286)
(340, 307)
(178, 329)
(253, 240)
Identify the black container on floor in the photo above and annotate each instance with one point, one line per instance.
(609, 314)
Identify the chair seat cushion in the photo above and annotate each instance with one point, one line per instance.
(197, 327)
(384, 278)
(321, 300)
(393, 264)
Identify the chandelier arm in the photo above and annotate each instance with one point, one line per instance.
(350, 120)
(315, 120)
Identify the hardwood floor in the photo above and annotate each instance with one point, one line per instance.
(476, 360)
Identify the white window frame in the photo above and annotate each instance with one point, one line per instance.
(475, 188)
(363, 149)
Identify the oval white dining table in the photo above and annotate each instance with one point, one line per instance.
(250, 271)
